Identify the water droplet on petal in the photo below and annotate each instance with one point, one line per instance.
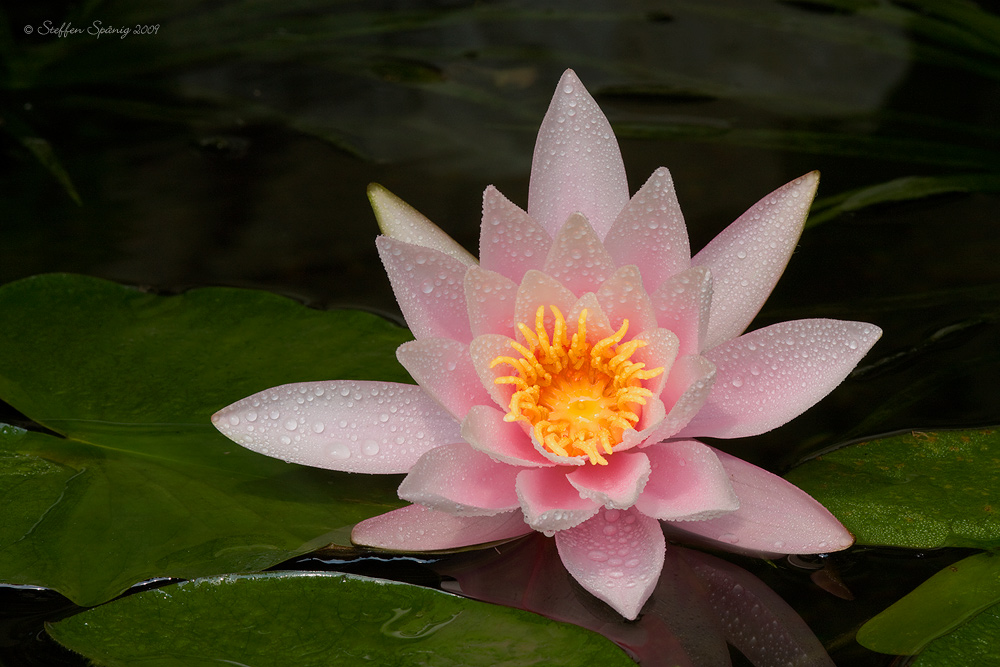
(369, 448)
(340, 451)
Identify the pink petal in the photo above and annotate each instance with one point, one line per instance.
(748, 257)
(682, 304)
(429, 287)
(617, 484)
(774, 517)
(372, 427)
(623, 298)
(402, 222)
(617, 555)
(577, 166)
(490, 298)
(650, 231)
(511, 242)
(577, 258)
(761, 625)
(771, 375)
(458, 480)
(483, 350)
(485, 429)
(598, 324)
(549, 502)
(416, 528)
(444, 369)
(688, 387)
(659, 352)
(688, 483)
(539, 289)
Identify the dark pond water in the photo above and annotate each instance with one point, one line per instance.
(234, 146)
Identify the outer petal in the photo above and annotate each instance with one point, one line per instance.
(623, 297)
(416, 528)
(748, 257)
(428, 285)
(688, 483)
(459, 480)
(511, 241)
(774, 516)
(774, 374)
(490, 298)
(577, 166)
(549, 502)
(577, 258)
(373, 427)
(483, 350)
(617, 556)
(487, 432)
(660, 352)
(616, 485)
(682, 304)
(444, 369)
(400, 221)
(650, 231)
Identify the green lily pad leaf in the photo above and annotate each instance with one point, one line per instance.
(141, 484)
(322, 619)
(920, 490)
(971, 645)
(897, 190)
(936, 607)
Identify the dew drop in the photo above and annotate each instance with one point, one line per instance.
(291, 424)
(737, 382)
(251, 416)
(612, 515)
(369, 448)
(318, 427)
(340, 451)
(729, 538)
(285, 440)
(741, 254)
(598, 556)
(234, 420)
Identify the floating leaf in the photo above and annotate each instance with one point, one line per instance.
(307, 619)
(915, 489)
(936, 607)
(971, 645)
(142, 485)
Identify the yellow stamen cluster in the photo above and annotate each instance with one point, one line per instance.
(577, 398)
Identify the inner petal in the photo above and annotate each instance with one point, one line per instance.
(577, 398)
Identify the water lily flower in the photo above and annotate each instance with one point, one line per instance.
(562, 378)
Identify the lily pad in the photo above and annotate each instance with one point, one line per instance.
(972, 645)
(939, 605)
(915, 489)
(140, 484)
(320, 619)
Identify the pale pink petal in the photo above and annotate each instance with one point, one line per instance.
(616, 485)
(577, 166)
(400, 221)
(577, 258)
(771, 375)
(429, 287)
(416, 528)
(490, 298)
(761, 625)
(458, 480)
(444, 369)
(687, 483)
(660, 351)
(650, 231)
(748, 257)
(598, 324)
(483, 350)
(538, 289)
(617, 555)
(511, 242)
(353, 426)
(774, 517)
(485, 429)
(682, 304)
(686, 391)
(549, 502)
(623, 298)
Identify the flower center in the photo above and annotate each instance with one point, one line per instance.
(578, 399)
